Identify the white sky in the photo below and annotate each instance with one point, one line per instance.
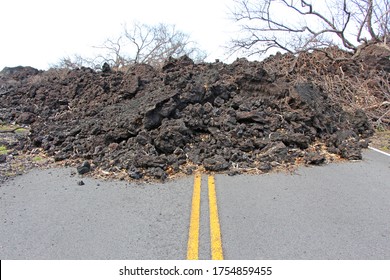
(38, 33)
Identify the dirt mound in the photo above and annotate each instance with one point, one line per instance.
(155, 123)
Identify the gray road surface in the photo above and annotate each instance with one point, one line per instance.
(46, 215)
(338, 211)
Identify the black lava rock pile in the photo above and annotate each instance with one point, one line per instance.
(155, 123)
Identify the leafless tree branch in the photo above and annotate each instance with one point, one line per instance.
(310, 24)
(141, 44)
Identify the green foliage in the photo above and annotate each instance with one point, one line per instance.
(37, 158)
(3, 150)
(4, 127)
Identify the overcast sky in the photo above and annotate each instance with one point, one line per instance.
(39, 32)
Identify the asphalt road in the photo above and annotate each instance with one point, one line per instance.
(338, 211)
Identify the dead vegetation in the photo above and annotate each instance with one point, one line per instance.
(354, 83)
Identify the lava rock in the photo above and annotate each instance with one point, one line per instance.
(84, 168)
(134, 173)
(215, 163)
(26, 118)
(106, 68)
(275, 150)
(234, 172)
(152, 119)
(60, 156)
(265, 166)
(314, 158)
(173, 134)
(3, 158)
(296, 139)
(350, 151)
(146, 161)
(254, 116)
(158, 173)
(210, 114)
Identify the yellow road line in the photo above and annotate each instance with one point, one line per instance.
(193, 236)
(215, 230)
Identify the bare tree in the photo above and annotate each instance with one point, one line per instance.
(301, 25)
(75, 61)
(140, 44)
(151, 45)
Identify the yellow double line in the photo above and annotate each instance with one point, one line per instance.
(215, 230)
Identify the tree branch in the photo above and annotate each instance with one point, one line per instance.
(337, 23)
